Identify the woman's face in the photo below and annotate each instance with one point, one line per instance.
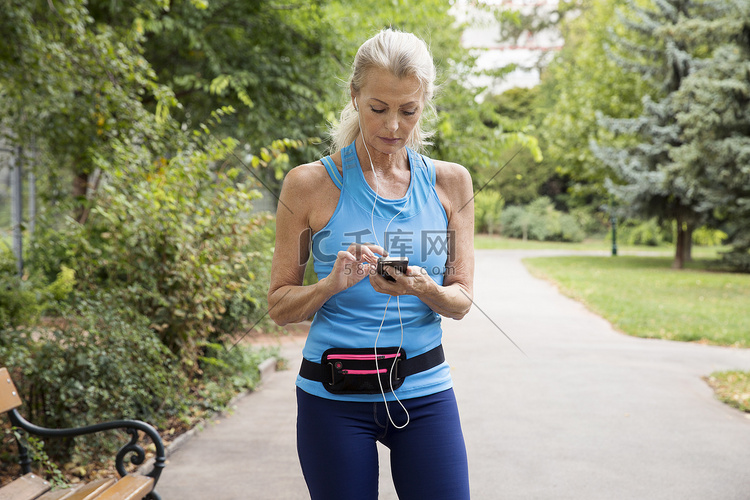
(389, 109)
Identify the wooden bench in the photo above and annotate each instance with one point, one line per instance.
(127, 487)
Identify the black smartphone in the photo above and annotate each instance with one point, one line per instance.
(400, 263)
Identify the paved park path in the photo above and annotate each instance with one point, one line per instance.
(587, 413)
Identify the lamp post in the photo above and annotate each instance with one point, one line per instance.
(613, 221)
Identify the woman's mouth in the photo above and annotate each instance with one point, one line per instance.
(389, 140)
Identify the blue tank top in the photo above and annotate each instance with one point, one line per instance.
(352, 318)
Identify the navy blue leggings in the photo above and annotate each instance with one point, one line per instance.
(336, 442)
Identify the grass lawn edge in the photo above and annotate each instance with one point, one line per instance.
(731, 387)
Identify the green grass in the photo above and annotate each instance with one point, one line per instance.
(491, 242)
(733, 388)
(645, 297)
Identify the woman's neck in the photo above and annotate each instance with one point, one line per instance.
(392, 172)
(387, 164)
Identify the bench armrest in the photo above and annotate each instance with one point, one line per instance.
(130, 426)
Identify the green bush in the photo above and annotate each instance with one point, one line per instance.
(19, 302)
(540, 221)
(176, 241)
(591, 222)
(230, 369)
(570, 229)
(648, 233)
(516, 223)
(488, 207)
(54, 244)
(738, 259)
(705, 236)
(125, 315)
(24, 298)
(101, 362)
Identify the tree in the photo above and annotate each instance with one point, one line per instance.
(529, 175)
(71, 87)
(712, 107)
(645, 179)
(579, 82)
(472, 130)
(167, 204)
(272, 62)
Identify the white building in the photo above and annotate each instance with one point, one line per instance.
(529, 52)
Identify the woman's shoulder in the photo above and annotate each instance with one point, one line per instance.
(453, 186)
(310, 194)
(451, 174)
(302, 175)
(310, 175)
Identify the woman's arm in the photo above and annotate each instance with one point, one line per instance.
(454, 298)
(288, 300)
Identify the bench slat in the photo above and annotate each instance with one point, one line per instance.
(9, 398)
(63, 494)
(129, 488)
(26, 487)
(91, 490)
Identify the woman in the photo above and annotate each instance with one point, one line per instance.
(373, 367)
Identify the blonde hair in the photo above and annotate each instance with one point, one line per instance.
(404, 55)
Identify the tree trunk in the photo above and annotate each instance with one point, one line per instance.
(679, 253)
(688, 248)
(683, 250)
(16, 206)
(80, 190)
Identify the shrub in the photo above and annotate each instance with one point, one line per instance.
(19, 302)
(102, 362)
(540, 221)
(738, 259)
(176, 241)
(23, 299)
(53, 245)
(515, 222)
(708, 237)
(570, 230)
(488, 208)
(649, 233)
(230, 369)
(590, 222)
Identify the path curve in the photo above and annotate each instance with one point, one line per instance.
(589, 413)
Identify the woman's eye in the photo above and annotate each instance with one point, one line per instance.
(377, 110)
(410, 113)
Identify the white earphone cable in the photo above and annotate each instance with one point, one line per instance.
(398, 302)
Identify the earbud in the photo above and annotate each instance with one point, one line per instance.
(355, 105)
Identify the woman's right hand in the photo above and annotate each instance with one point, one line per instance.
(353, 265)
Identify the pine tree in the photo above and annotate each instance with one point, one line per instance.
(644, 178)
(712, 107)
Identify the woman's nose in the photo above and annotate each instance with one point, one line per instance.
(391, 123)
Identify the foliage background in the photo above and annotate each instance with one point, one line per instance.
(156, 128)
(152, 129)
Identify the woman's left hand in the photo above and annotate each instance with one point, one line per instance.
(415, 281)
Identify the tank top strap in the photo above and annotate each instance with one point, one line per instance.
(430, 168)
(427, 162)
(349, 158)
(333, 172)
